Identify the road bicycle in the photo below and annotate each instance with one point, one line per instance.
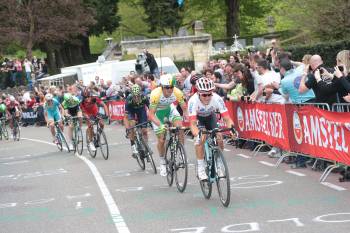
(99, 138)
(60, 138)
(215, 166)
(176, 159)
(144, 151)
(77, 137)
(16, 132)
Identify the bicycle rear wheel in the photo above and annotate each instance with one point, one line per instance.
(149, 156)
(91, 152)
(222, 178)
(169, 165)
(206, 185)
(181, 168)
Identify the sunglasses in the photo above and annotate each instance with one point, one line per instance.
(168, 87)
(206, 95)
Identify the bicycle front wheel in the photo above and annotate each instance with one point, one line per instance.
(59, 141)
(78, 140)
(103, 144)
(149, 156)
(15, 131)
(92, 153)
(223, 178)
(169, 165)
(5, 132)
(64, 141)
(141, 155)
(181, 168)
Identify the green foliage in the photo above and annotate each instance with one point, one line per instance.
(105, 15)
(162, 15)
(328, 51)
(180, 64)
(97, 43)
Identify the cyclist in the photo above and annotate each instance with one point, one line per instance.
(13, 110)
(53, 112)
(135, 110)
(2, 110)
(161, 107)
(202, 107)
(71, 106)
(89, 106)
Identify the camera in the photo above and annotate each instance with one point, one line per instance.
(141, 65)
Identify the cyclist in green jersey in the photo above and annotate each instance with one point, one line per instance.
(71, 106)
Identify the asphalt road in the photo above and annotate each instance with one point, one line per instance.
(44, 190)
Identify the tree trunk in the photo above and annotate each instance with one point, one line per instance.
(85, 49)
(51, 60)
(59, 59)
(29, 44)
(232, 18)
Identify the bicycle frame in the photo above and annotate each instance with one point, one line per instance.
(210, 146)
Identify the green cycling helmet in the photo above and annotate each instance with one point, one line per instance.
(67, 96)
(135, 89)
(2, 107)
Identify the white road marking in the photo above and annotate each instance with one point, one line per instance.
(333, 186)
(15, 162)
(78, 196)
(78, 206)
(226, 149)
(295, 173)
(113, 208)
(267, 163)
(244, 156)
(7, 205)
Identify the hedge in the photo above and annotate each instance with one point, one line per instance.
(328, 51)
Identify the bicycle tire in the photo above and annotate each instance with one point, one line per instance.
(91, 153)
(5, 132)
(64, 141)
(149, 155)
(206, 185)
(59, 141)
(225, 195)
(181, 163)
(102, 135)
(169, 165)
(16, 129)
(79, 141)
(140, 157)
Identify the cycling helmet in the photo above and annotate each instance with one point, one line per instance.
(194, 78)
(135, 89)
(12, 99)
(48, 97)
(205, 85)
(67, 96)
(2, 107)
(167, 80)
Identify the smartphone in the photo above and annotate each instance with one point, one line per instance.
(341, 68)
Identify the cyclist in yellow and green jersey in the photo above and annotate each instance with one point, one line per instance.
(162, 107)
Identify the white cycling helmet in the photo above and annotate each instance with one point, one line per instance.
(167, 80)
(12, 99)
(48, 97)
(205, 85)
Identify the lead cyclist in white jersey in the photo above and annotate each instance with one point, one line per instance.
(202, 107)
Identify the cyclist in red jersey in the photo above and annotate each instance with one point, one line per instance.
(89, 107)
(13, 109)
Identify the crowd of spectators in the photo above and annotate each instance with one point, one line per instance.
(17, 72)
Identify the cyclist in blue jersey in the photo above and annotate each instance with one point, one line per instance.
(53, 112)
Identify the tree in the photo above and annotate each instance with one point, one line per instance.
(163, 15)
(34, 22)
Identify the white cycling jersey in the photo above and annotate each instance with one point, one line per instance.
(197, 108)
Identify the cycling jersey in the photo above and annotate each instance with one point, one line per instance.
(136, 110)
(197, 108)
(91, 108)
(71, 102)
(130, 102)
(164, 105)
(53, 111)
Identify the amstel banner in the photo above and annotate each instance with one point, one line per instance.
(267, 122)
(319, 133)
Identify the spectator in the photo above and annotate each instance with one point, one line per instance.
(151, 61)
(112, 91)
(186, 75)
(318, 79)
(28, 67)
(245, 86)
